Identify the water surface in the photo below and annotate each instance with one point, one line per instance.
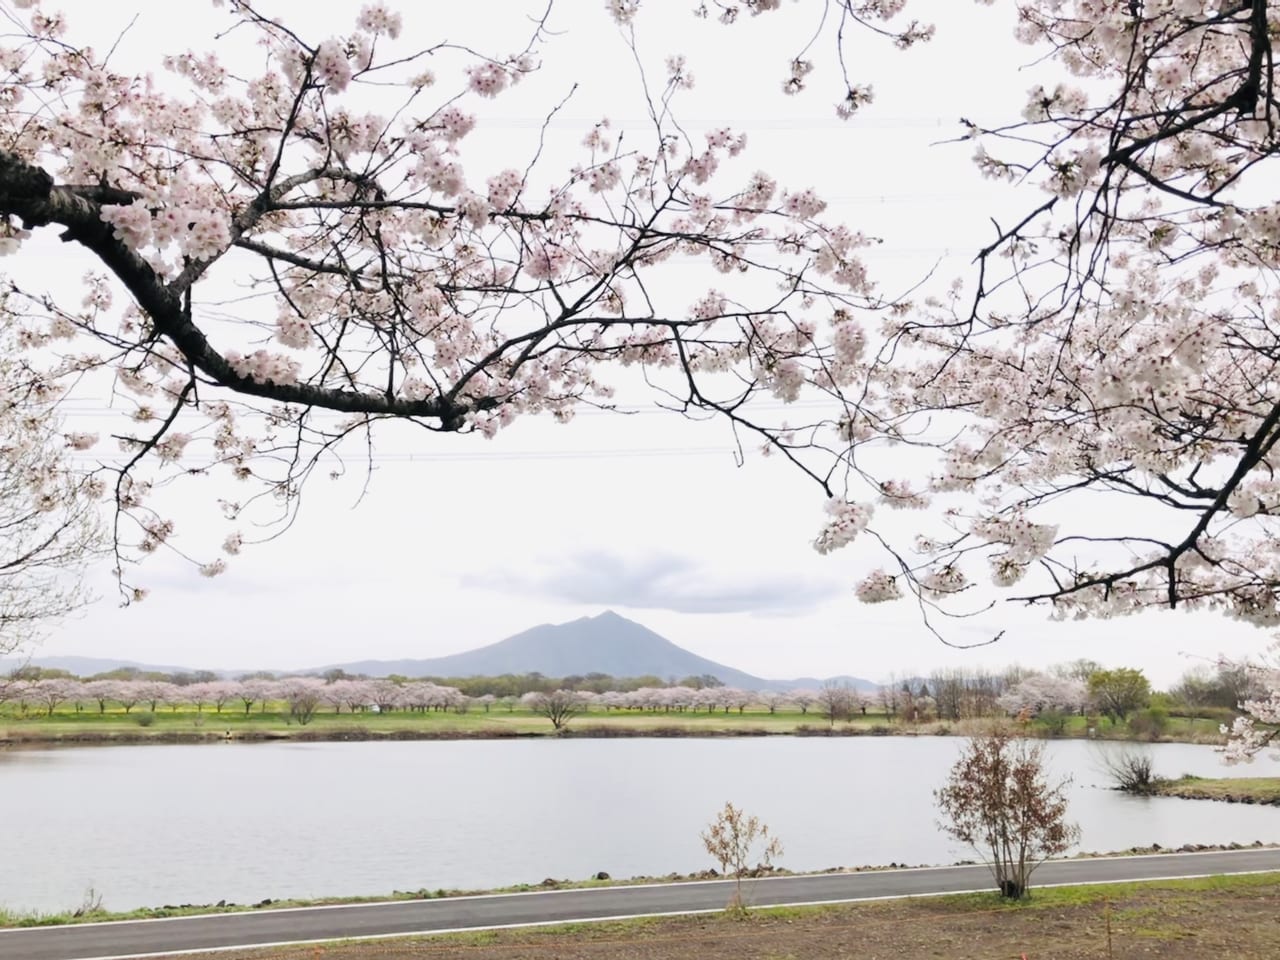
(152, 825)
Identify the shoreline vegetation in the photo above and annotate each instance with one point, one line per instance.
(91, 910)
(1082, 699)
(187, 726)
(1131, 772)
(1257, 790)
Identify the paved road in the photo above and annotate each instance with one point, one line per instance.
(180, 935)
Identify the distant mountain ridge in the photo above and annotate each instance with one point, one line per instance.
(90, 666)
(607, 643)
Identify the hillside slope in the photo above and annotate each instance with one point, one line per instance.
(607, 643)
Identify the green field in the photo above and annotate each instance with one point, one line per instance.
(232, 723)
(275, 721)
(1234, 789)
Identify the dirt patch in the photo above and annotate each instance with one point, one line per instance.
(1173, 924)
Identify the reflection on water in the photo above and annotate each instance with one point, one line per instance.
(150, 825)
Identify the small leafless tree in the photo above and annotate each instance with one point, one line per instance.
(559, 706)
(836, 701)
(890, 695)
(1130, 770)
(735, 839)
(803, 699)
(998, 800)
(303, 695)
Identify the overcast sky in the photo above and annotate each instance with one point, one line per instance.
(460, 541)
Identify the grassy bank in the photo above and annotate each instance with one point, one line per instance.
(1176, 920)
(189, 726)
(1230, 789)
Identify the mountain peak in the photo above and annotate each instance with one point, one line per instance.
(605, 643)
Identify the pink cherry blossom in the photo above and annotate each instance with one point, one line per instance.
(1115, 341)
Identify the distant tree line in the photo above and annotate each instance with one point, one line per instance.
(1082, 687)
(502, 685)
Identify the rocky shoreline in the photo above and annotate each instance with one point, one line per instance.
(355, 733)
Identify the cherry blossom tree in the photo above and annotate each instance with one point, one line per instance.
(418, 695)
(803, 699)
(733, 698)
(1117, 336)
(49, 693)
(1259, 725)
(356, 694)
(393, 283)
(48, 520)
(217, 693)
(177, 695)
(558, 706)
(153, 692)
(302, 695)
(1040, 692)
(424, 695)
(679, 698)
(333, 695)
(771, 700)
(128, 693)
(386, 695)
(21, 692)
(616, 700)
(253, 690)
(100, 691)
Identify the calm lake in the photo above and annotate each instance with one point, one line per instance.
(150, 825)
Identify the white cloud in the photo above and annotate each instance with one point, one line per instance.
(661, 581)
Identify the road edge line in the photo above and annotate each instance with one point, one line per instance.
(642, 916)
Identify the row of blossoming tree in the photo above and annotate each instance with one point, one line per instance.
(1050, 697)
(1117, 336)
(307, 694)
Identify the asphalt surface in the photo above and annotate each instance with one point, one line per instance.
(135, 938)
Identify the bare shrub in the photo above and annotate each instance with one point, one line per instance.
(559, 706)
(998, 800)
(1131, 770)
(735, 839)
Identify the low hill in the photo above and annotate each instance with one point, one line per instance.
(91, 666)
(815, 683)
